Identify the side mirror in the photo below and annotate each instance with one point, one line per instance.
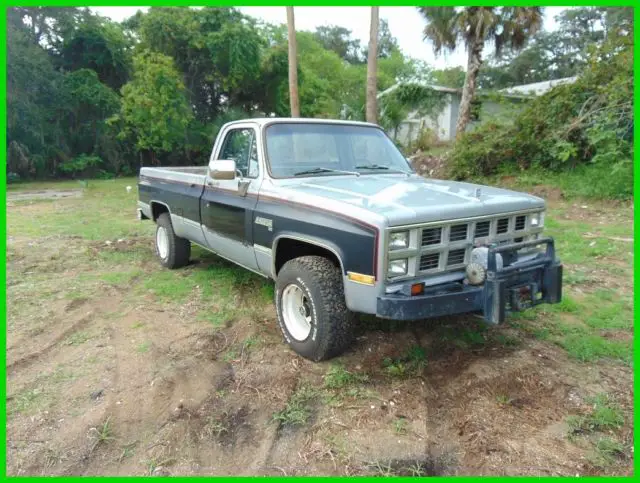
(222, 169)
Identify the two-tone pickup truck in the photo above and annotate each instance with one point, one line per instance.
(334, 214)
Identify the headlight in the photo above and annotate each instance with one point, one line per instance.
(537, 219)
(397, 268)
(399, 240)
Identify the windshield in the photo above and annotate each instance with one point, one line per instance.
(299, 149)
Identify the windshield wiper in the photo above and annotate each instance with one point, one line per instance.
(324, 170)
(379, 166)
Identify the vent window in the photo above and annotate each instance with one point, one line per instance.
(431, 236)
(429, 261)
(458, 233)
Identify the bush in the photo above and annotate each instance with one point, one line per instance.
(83, 165)
(585, 128)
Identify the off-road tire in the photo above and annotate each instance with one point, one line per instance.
(331, 322)
(179, 248)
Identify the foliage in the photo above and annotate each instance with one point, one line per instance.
(588, 122)
(561, 53)
(405, 99)
(154, 107)
(80, 164)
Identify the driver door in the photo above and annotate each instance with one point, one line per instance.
(227, 205)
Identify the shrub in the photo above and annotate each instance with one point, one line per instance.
(587, 123)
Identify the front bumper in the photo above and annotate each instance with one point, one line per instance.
(539, 279)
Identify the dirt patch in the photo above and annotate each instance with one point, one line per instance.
(43, 195)
(111, 380)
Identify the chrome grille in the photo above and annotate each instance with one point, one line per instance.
(520, 222)
(456, 257)
(431, 236)
(458, 233)
(429, 261)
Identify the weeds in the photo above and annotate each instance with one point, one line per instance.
(606, 415)
(412, 363)
(298, 409)
(338, 377)
(400, 426)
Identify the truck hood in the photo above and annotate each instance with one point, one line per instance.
(404, 200)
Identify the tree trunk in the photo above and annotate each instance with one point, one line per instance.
(372, 68)
(293, 65)
(474, 62)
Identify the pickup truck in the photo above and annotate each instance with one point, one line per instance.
(335, 215)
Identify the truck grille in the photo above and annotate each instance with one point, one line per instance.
(431, 236)
(447, 246)
(456, 257)
(458, 233)
(429, 261)
(483, 229)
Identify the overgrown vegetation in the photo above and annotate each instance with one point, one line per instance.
(583, 130)
(89, 97)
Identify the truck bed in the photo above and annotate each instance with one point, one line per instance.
(184, 174)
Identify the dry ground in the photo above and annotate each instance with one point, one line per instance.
(116, 366)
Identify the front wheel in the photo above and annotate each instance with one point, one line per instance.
(312, 312)
(173, 251)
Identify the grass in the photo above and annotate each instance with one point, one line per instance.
(77, 338)
(338, 377)
(143, 347)
(605, 415)
(400, 425)
(606, 454)
(298, 409)
(410, 364)
(102, 433)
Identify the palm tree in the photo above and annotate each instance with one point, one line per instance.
(293, 65)
(504, 27)
(372, 68)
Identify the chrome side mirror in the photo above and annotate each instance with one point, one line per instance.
(222, 169)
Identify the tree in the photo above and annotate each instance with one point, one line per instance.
(372, 68)
(155, 112)
(293, 65)
(449, 77)
(504, 27)
(338, 39)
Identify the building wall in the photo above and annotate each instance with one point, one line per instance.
(444, 124)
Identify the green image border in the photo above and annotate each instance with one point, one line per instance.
(101, 3)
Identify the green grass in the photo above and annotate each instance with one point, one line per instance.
(606, 454)
(400, 425)
(412, 363)
(143, 347)
(298, 409)
(605, 415)
(338, 377)
(77, 338)
(120, 278)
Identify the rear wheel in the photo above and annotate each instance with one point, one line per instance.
(173, 251)
(312, 312)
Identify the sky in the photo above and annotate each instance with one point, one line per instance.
(405, 23)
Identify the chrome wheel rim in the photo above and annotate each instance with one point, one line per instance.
(296, 312)
(162, 242)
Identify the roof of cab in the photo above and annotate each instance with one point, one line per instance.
(263, 121)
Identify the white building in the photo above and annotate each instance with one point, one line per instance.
(489, 105)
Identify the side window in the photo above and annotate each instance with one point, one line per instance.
(240, 145)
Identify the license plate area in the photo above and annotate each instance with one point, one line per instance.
(522, 297)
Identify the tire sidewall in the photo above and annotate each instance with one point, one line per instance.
(308, 347)
(166, 224)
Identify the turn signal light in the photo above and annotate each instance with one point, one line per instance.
(417, 288)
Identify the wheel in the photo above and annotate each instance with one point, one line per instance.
(312, 312)
(173, 251)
